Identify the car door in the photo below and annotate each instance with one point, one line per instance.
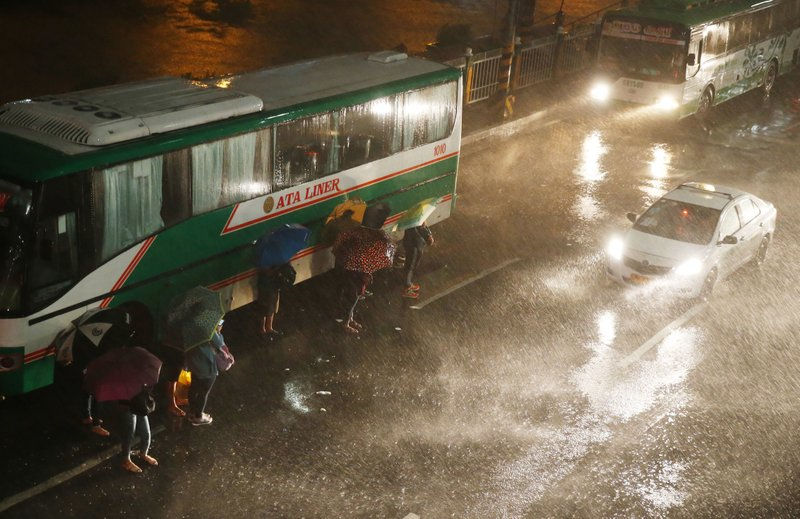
(751, 231)
(728, 254)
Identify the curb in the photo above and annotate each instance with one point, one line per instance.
(505, 129)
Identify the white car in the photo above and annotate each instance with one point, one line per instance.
(692, 237)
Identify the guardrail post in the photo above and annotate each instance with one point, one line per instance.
(468, 75)
(517, 64)
(560, 35)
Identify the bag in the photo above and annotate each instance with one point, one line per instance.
(286, 275)
(224, 358)
(143, 403)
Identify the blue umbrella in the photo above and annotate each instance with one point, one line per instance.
(278, 247)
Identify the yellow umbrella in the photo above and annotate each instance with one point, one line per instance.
(356, 205)
(417, 214)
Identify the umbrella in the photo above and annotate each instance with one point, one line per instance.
(278, 246)
(337, 226)
(120, 373)
(375, 215)
(355, 205)
(192, 318)
(364, 250)
(417, 214)
(92, 334)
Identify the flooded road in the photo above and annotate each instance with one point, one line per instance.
(49, 47)
(526, 384)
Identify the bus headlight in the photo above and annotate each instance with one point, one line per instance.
(600, 92)
(615, 248)
(690, 267)
(667, 102)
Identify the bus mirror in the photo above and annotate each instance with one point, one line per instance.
(690, 59)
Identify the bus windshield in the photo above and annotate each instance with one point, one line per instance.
(15, 205)
(638, 59)
(679, 221)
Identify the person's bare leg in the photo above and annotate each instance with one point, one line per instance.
(172, 404)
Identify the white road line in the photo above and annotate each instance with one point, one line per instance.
(464, 283)
(657, 338)
(56, 480)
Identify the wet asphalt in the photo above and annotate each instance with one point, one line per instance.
(526, 385)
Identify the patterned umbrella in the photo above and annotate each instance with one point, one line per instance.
(364, 250)
(120, 373)
(92, 334)
(192, 318)
(417, 214)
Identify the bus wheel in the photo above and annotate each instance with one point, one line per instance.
(706, 102)
(769, 77)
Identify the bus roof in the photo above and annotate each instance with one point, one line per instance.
(688, 12)
(37, 137)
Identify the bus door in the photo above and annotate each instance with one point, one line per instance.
(694, 66)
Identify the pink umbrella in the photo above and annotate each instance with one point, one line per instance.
(121, 373)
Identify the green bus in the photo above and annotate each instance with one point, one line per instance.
(685, 56)
(125, 196)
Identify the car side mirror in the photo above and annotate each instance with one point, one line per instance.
(730, 240)
(632, 217)
(690, 59)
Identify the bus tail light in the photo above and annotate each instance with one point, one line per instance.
(10, 362)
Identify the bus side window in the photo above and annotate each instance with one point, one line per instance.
(368, 131)
(127, 204)
(302, 150)
(428, 114)
(177, 187)
(54, 267)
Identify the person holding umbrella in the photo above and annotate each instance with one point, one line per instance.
(194, 321)
(360, 252)
(125, 374)
(414, 241)
(273, 253)
(92, 334)
(202, 362)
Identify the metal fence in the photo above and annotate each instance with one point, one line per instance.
(577, 49)
(535, 62)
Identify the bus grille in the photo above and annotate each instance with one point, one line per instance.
(19, 117)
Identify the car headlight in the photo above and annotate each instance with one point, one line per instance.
(690, 267)
(615, 248)
(600, 92)
(667, 102)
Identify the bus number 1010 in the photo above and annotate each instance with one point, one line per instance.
(439, 149)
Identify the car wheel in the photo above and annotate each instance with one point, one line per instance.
(707, 290)
(769, 77)
(761, 254)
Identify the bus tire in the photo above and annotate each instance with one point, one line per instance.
(706, 102)
(142, 323)
(769, 77)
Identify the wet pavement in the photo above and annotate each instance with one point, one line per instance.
(525, 385)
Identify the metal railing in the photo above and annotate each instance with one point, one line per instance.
(535, 62)
(577, 49)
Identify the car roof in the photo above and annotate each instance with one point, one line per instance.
(705, 195)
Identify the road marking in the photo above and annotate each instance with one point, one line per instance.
(56, 480)
(464, 283)
(657, 338)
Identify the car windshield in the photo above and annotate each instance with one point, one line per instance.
(643, 60)
(15, 206)
(679, 221)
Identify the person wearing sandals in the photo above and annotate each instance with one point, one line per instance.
(414, 241)
(136, 423)
(270, 282)
(201, 362)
